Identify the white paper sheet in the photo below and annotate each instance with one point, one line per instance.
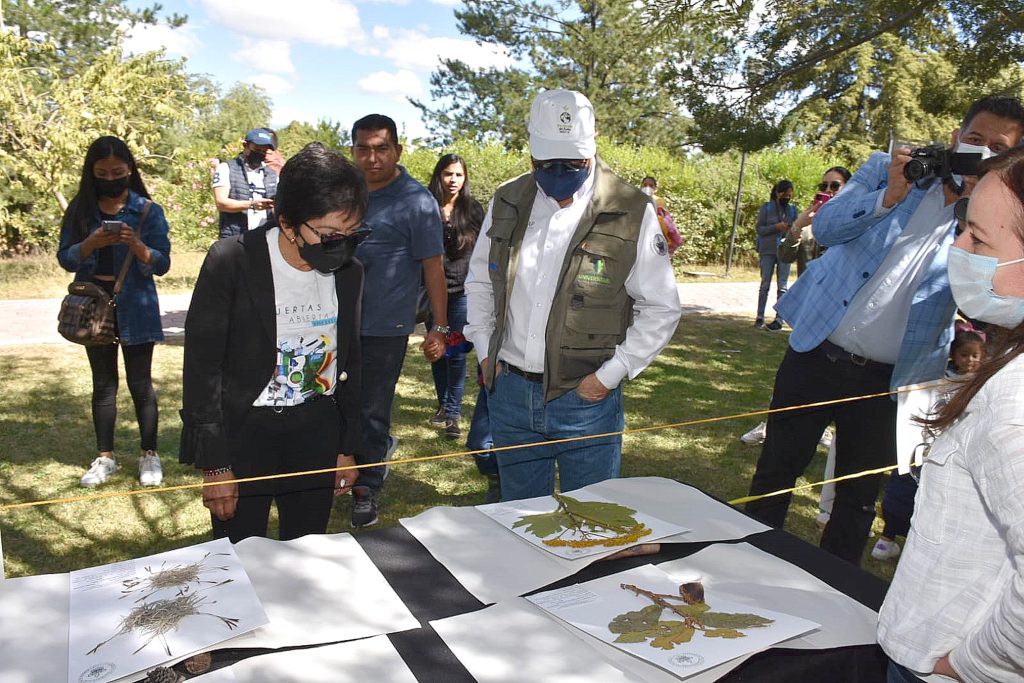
(751, 576)
(361, 661)
(114, 609)
(34, 629)
(917, 402)
(494, 565)
(590, 606)
(318, 589)
(508, 515)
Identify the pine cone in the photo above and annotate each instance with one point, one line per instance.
(162, 674)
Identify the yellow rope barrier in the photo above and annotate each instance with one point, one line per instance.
(460, 454)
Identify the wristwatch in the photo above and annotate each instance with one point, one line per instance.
(443, 329)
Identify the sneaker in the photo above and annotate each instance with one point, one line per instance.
(759, 324)
(774, 326)
(99, 471)
(885, 550)
(451, 428)
(755, 436)
(439, 418)
(392, 447)
(822, 519)
(364, 506)
(826, 437)
(150, 471)
(493, 489)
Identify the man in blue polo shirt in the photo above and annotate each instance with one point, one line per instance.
(405, 248)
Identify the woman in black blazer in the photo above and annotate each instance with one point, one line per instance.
(271, 380)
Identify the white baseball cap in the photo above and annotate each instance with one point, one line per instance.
(562, 126)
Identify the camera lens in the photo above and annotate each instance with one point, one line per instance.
(915, 170)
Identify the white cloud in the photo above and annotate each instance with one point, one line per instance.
(269, 56)
(180, 41)
(414, 50)
(449, 3)
(284, 115)
(272, 83)
(395, 86)
(334, 23)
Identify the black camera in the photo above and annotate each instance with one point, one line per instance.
(939, 161)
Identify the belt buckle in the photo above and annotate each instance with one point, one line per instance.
(278, 409)
(859, 361)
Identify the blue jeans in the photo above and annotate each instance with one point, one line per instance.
(480, 436)
(770, 263)
(900, 674)
(382, 364)
(450, 370)
(519, 415)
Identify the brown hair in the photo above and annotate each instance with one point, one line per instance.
(1007, 344)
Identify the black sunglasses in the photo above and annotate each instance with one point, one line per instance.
(570, 165)
(357, 236)
(835, 186)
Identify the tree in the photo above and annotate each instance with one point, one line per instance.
(239, 110)
(47, 122)
(598, 47)
(298, 134)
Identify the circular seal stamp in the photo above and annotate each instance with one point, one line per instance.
(97, 672)
(686, 659)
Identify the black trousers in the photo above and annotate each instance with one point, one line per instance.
(138, 364)
(296, 439)
(865, 439)
(383, 358)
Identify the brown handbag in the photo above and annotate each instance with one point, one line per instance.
(88, 315)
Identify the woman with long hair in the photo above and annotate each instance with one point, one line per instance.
(109, 220)
(956, 603)
(461, 216)
(773, 220)
(798, 244)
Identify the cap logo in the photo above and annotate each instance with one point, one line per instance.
(565, 122)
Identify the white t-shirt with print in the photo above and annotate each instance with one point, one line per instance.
(306, 305)
(257, 189)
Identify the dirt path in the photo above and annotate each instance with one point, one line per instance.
(34, 321)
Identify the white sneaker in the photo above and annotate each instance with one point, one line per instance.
(392, 447)
(885, 550)
(822, 519)
(826, 437)
(151, 473)
(99, 471)
(755, 436)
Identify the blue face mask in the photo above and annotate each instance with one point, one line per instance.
(970, 279)
(560, 179)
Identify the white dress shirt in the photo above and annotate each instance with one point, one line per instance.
(959, 585)
(876, 319)
(650, 283)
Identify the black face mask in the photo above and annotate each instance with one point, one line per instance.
(328, 257)
(784, 201)
(111, 188)
(255, 157)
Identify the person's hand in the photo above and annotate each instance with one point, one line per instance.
(221, 499)
(782, 226)
(794, 232)
(591, 389)
(898, 186)
(97, 239)
(946, 669)
(263, 204)
(434, 346)
(344, 480)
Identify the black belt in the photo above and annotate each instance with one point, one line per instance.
(537, 377)
(834, 352)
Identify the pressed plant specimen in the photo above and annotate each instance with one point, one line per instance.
(585, 523)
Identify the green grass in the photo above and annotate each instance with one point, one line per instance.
(41, 277)
(714, 367)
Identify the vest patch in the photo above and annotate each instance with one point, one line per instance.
(660, 246)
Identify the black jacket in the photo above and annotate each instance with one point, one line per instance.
(231, 348)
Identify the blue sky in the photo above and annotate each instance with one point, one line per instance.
(333, 59)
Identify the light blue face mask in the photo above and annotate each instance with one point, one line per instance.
(970, 278)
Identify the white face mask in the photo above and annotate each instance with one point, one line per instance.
(967, 148)
(970, 279)
(647, 190)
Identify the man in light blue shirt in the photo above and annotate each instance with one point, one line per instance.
(874, 313)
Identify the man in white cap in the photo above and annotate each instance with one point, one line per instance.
(570, 291)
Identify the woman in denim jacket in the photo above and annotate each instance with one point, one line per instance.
(773, 220)
(94, 248)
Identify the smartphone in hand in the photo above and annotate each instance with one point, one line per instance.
(819, 199)
(111, 226)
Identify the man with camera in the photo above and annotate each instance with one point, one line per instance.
(244, 187)
(872, 314)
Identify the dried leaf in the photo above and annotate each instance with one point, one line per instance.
(635, 622)
(723, 633)
(630, 638)
(598, 514)
(545, 524)
(673, 633)
(692, 592)
(738, 620)
(694, 610)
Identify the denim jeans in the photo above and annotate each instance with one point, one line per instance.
(450, 370)
(519, 415)
(900, 674)
(770, 263)
(480, 436)
(382, 364)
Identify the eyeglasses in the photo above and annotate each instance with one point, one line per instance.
(331, 239)
(835, 186)
(568, 165)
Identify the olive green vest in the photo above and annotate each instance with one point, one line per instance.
(591, 309)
